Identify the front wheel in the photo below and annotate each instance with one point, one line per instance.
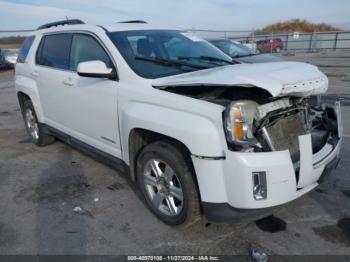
(166, 179)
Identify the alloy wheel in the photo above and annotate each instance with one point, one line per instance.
(32, 124)
(163, 187)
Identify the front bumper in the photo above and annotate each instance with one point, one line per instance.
(225, 213)
(226, 185)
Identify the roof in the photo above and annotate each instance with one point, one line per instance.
(134, 26)
(109, 27)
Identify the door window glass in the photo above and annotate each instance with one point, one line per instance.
(54, 51)
(86, 48)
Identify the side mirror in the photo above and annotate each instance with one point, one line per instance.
(96, 68)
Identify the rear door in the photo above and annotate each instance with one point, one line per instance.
(51, 68)
(83, 107)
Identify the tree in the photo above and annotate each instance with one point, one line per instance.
(296, 25)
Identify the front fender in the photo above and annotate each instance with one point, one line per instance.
(202, 135)
(28, 86)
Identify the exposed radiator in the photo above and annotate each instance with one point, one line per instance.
(284, 133)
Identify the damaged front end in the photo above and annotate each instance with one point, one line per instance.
(282, 135)
(309, 128)
(254, 121)
(276, 125)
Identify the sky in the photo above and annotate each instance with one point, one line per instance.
(187, 14)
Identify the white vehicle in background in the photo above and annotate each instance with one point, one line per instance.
(8, 58)
(250, 45)
(199, 133)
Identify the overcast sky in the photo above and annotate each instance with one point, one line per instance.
(208, 14)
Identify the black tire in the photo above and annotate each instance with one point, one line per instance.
(43, 138)
(181, 164)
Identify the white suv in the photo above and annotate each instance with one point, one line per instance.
(198, 132)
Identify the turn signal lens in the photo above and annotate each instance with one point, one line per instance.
(238, 123)
(239, 131)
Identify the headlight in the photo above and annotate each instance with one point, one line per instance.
(239, 117)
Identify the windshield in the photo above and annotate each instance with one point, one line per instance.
(158, 53)
(233, 49)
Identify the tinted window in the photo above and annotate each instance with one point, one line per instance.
(25, 49)
(86, 48)
(54, 51)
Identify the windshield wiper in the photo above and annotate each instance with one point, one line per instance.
(209, 58)
(239, 56)
(168, 62)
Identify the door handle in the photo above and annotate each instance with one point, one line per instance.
(67, 82)
(34, 73)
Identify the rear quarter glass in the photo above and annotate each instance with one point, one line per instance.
(23, 52)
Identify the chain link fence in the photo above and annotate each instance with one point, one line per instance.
(288, 42)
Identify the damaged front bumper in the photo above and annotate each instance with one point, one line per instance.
(227, 185)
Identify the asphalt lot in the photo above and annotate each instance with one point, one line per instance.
(40, 187)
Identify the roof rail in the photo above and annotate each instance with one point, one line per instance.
(133, 22)
(63, 22)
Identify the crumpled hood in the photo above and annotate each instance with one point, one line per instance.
(279, 78)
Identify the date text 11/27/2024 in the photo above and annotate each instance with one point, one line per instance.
(173, 258)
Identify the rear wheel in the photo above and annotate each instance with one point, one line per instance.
(166, 179)
(35, 130)
(278, 49)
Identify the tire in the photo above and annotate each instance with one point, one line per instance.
(35, 130)
(172, 193)
(277, 50)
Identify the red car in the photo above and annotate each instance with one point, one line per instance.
(269, 45)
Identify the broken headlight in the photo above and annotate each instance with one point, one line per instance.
(238, 119)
